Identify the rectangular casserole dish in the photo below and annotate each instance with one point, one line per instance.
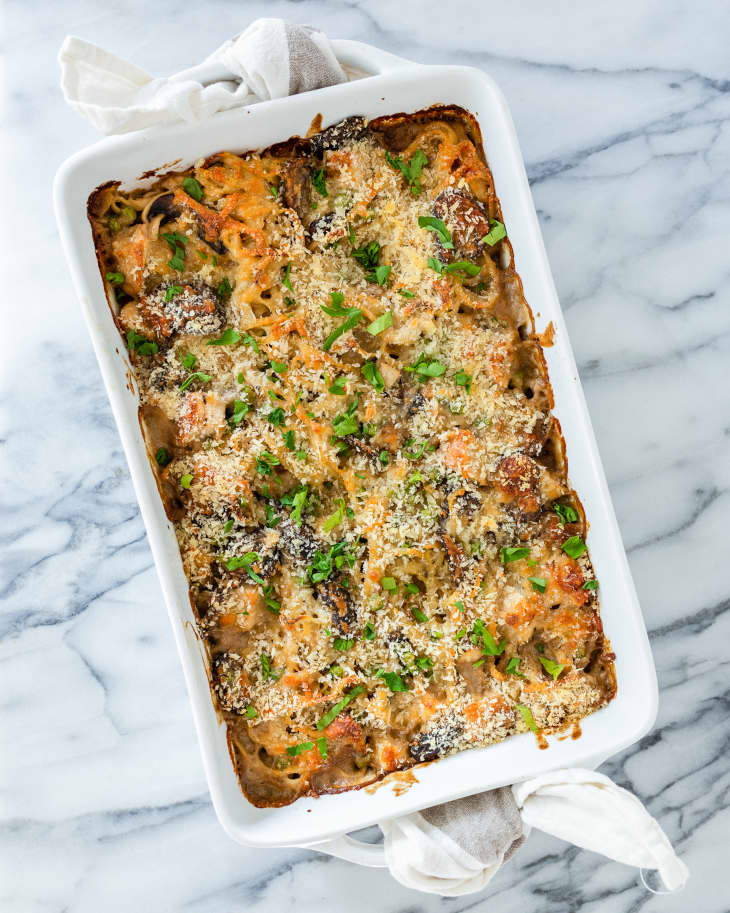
(398, 87)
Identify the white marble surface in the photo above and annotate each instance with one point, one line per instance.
(623, 112)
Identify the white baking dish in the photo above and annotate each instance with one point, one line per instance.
(397, 86)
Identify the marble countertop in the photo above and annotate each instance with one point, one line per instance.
(623, 113)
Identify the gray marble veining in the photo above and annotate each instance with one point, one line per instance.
(623, 112)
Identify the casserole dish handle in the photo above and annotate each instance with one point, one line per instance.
(365, 59)
(357, 851)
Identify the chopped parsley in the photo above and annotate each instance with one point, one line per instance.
(277, 417)
(490, 647)
(224, 289)
(389, 584)
(496, 232)
(456, 268)
(324, 565)
(177, 244)
(343, 644)
(418, 449)
(279, 366)
(294, 750)
(369, 633)
(265, 463)
(566, 513)
(298, 503)
(188, 361)
(352, 318)
(338, 386)
(347, 422)
(318, 182)
(419, 615)
(335, 711)
(436, 225)
(289, 440)
(287, 277)
(162, 457)
(538, 584)
(115, 278)
(527, 716)
(424, 367)
(552, 668)
(337, 517)
(406, 293)
(267, 669)
(367, 256)
(137, 343)
(251, 712)
(172, 290)
(462, 379)
(381, 323)
(249, 340)
(196, 375)
(411, 171)
(228, 338)
(513, 665)
(393, 681)
(240, 408)
(186, 480)
(245, 561)
(373, 376)
(193, 189)
(514, 553)
(574, 547)
(590, 585)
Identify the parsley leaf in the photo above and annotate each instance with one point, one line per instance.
(115, 278)
(527, 716)
(193, 189)
(240, 408)
(346, 422)
(245, 561)
(514, 553)
(406, 293)
(265, 463)
(287, 280)
(462, 379)
(318, 182)
(186, 480)
(426, 367)
(512, 667)
(381, 323)
(412, 171)
(224, 289)
(552, 668)
(496, 232)
(590, 585)
(298, 503)
(574, 547)
(393, 681)
(439, 227)
(294, 750)
(162, 458)
(566, 513)
(172, 290)
(228, 338)
(369, 631)
(197, 375)
(335, 711)
(249, 340)
(137, 343)
(373, 376)
(337, 517)
(538, 584)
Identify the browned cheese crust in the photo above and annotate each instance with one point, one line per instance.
(349, 415)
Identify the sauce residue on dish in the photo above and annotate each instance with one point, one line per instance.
(547, 337)
(400, 780)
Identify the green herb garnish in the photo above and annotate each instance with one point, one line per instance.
(514, 553)
(380, 323)
(335, 711)
(228, 338)
(193, 189)
(439, 227)
(574, 547)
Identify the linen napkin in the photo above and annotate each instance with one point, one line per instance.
(455, 848)
(270, 59)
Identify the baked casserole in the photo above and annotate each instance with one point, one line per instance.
(349, 413)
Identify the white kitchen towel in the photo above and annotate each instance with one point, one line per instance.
(458, 847)
(270, 59)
